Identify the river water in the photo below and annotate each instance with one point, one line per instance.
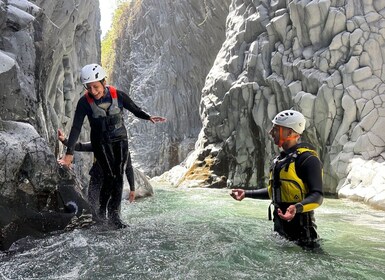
(205, 234)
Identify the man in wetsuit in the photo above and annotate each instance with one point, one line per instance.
(295, 183)
(103, 105)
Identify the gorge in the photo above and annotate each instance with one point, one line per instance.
(219, 72)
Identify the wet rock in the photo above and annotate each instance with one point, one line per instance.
(37, 195)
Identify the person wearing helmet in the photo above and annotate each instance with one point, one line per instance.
(295, 182)
(103, 105)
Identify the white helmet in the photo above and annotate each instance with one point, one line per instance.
(92, 73)
(292, 119)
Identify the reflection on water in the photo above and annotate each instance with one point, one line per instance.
(205, 234)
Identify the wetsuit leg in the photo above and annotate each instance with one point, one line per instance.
(105, 194)
(130, 172)
(301, 230)
(309, 236)
(95, 185)
(105, 157)
(120, 151)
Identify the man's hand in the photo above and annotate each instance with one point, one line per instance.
(289, 215)
(238, 194)
(66, 161)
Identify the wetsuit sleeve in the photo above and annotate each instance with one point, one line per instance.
(131, 106)
(80, 147)
(310, 171)
(77, 124)
(83, 147)
(260, 193)
(130, 172)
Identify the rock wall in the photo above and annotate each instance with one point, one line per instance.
(36, 195)
(323, 58)
(162, 54)
(43, 45)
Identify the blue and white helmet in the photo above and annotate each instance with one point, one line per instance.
(92, 73)
(291, 119)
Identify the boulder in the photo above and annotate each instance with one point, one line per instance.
(37, 196)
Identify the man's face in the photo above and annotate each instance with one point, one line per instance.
(96, 89)
(275, 133)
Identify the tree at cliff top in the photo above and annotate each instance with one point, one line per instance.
(123, 13)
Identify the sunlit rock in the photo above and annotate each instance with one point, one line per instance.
(365, 182)
(170, 177)
(143, 187)
(324, 59)
(161, 60)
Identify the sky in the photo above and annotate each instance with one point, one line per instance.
(107, 8)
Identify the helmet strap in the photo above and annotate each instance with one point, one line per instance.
(104, 86)
(284, 139)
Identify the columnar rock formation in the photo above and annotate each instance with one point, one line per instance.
(323, 58)
(162, 55)
(43, 45)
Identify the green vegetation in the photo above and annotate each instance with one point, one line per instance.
(122, 19)
(108, 53)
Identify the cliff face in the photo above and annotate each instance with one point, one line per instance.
(162, 55)
(43, 45)
(323, 58)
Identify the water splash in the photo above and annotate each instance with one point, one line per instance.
(205, 234)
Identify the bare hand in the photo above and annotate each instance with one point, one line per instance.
(156, 119)
(238, 194)
(131, 196)
(66, 161)
(289, 215)
(60, 135)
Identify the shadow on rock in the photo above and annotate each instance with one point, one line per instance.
(65, 209)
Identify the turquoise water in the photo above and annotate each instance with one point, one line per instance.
(205, 234)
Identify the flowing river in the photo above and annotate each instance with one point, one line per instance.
(205, 234)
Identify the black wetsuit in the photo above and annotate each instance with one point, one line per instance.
(302, 229)
(110, 146)
(96, 174)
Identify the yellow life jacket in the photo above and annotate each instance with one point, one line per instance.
(284, 184)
